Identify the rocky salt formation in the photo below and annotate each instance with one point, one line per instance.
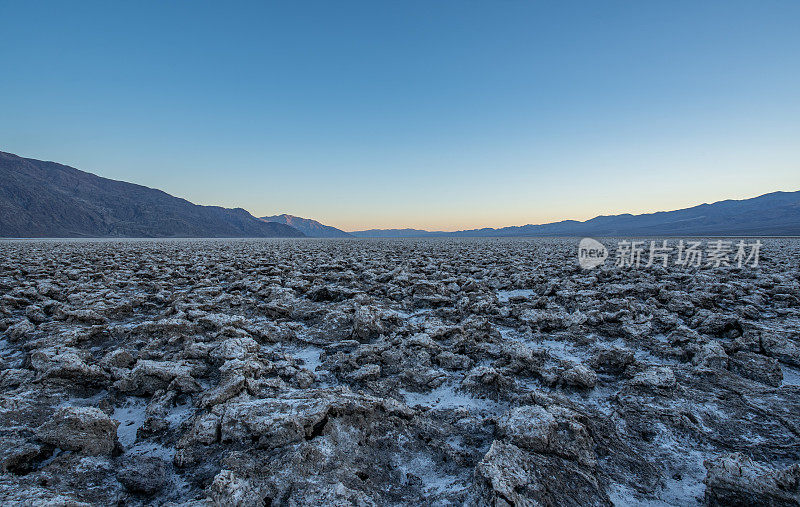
(406, 372)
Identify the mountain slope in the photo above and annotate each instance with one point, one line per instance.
(773, 214)
(46, 199)
(310, 228)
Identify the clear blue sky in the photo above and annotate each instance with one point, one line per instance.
(432, 114)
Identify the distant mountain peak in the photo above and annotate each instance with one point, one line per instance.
(307, 226)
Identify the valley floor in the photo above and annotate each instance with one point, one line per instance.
(407, 372)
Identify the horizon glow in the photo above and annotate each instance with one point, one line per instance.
(440, 116)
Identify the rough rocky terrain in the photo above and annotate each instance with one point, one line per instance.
(411, 372)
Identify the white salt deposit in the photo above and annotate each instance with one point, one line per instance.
(504, 296)
(446, 397)
(791, 376)
(131, 416)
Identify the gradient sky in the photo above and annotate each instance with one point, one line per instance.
(429, 114)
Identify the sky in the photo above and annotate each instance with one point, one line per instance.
(429, 114)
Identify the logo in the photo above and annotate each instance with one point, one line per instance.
(591, 253)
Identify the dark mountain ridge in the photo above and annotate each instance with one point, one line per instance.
(773, 214)
(46, 199)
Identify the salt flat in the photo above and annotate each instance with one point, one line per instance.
(372, 372)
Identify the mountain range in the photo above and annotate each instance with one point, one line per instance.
(46, 199)
(773, 214)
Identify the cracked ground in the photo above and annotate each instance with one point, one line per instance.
(399, 372)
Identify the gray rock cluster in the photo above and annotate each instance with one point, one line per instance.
(408, 372)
